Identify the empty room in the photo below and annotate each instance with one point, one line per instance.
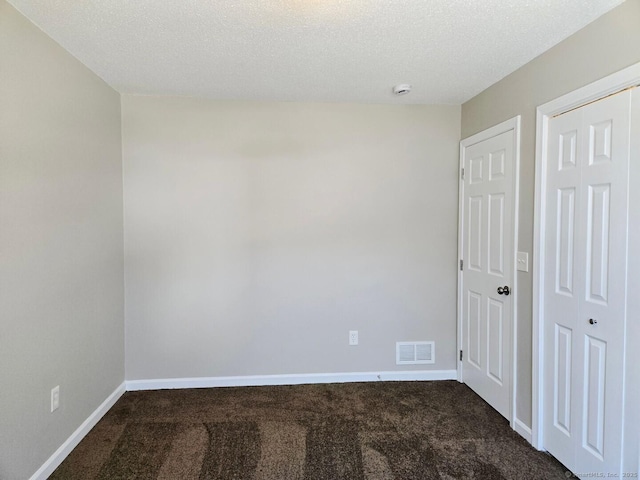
(319, 239)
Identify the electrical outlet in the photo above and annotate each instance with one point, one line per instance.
(353, 337)
(55, 398)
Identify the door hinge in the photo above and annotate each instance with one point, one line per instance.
(461, 264)
(462, 174)
(460, 355)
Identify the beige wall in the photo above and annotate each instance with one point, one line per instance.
(605, 46)
(61, 247)
(258, 234)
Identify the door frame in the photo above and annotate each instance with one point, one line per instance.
(597, 90)
(513, 125)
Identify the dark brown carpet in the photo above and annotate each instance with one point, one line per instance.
(383, 430)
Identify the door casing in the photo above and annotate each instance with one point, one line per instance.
(513, 125)
(626, 78)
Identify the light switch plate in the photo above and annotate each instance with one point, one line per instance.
(523, 261)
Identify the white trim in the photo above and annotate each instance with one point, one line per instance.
(614, 83)
(513, 124)
(514, 303)
(290, 379)
(625, 78)
(460, 259)
(631, 397)
(522, 429)
(65, 449)
(537, 358)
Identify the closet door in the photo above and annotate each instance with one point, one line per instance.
(601, 318)
(585, 284)
(562, 284)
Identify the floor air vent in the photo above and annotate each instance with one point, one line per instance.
(413, 353)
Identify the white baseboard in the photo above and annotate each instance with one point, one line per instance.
(291, 379)
(523, 430)
(65, 449)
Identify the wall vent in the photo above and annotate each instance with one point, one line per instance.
(414, 353)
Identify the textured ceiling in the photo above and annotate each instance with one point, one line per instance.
(309, 50)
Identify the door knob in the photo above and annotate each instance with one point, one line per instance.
(504, 290)
(593, 321)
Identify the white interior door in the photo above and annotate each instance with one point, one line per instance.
(585, 284)
(487, 227)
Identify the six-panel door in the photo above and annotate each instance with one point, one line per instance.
(585, 284)
(488, 264)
